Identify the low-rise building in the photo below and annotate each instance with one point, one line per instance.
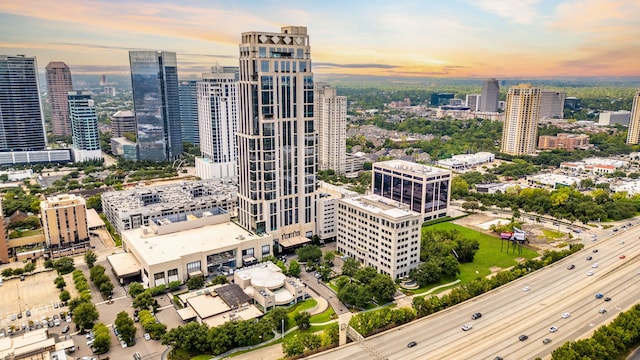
(268, 286)
(564, 141)
(218, 304)
(620, 117)
(122, 147)
(553, 180)
(464, 162)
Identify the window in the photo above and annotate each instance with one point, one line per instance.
(193, 266)
(172, 272)
(265, 250)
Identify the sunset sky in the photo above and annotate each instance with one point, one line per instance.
(452, 38)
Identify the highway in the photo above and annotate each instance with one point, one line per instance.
(509, 312)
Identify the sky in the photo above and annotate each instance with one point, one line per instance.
(396, 38)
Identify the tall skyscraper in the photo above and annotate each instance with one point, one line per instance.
(189, 111)
(490, 95)
(633, 137)
(276, 135)
(522, 113)
(218, 122)
(552, 104)
(84, 126)
(21, 120)
(156, 101)
(331, 120)
(58, 85)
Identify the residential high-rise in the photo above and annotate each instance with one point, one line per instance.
(472, 101)
(21, 121)
(58, 85)
(84, 126)
(520, 129)
(156, 101)
(331, 120)
(189, 111)
(4, 246)
(276, 136)
(552, 104)
(64, 220)
(218, 122)
(634, 122)
(490, 95)
(123, 121)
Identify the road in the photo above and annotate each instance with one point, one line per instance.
(509, 311)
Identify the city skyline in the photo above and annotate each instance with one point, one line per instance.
(487, 38)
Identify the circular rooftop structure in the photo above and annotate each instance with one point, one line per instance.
(266, 278)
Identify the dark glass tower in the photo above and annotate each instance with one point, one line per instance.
(156, 101)
(189, 111)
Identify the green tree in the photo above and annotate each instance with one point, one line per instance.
(144, 300)
(60, 283)
(278, 315)
(29, 267)
(85, 315)
(328, 257)
(135, 288)
(294, 268)
(7, 272)
(126, 327)
(106, 288)
(102, 340)
(366, 274)
(302, 319)
(292, 346)
(383, 288)
(64, 265)
(90, 258)
(196, 282)
(64, 296)
(309, 253)
(350, 266)
(174, 285)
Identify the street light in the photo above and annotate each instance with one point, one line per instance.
(282, 320)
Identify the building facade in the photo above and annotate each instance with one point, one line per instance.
(425, 189)
(84, 126)
(4, 246)
(123, 121)
(490, 95)
(565, 141)
(21, 120)
(520, 129)
(64, 220)
(552, 104)
(156, 101)
(439, 99)
(380, 233)
(277, 141)
(189, 111)
(58, 85)
(218, 122)
(472, 101)
(331, 120)
(634, 122)
(610, 118)
(122, 147)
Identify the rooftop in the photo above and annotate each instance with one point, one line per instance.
(412, 167)
(375, 204)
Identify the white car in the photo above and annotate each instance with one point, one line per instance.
(526, 288)
(123, 344)
(595, 265)
(553, 329)
(589, 273)
(565, 315)
(467, 326)
(147, 336)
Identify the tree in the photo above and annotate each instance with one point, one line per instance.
(7, 272)
(29, 267)
(135, 288)
(144, 300)
(309, 253)
(174, 285)
(328, 257)
(196, 282)
(106, 288)
(365, 275)
(278, 315)
(48, 264)
(64, 296)
(292, 346)
(85, 315)
(302, 319)
(90, 258)
(383, 288)
(64, 265)
(60, 283)
(126, 327)
(102, 340)
(294, 268)
(350, 266)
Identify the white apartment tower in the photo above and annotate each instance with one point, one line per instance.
(217, 123)
(331, 119)
(277, 142)
(520, 130)
(634, 122)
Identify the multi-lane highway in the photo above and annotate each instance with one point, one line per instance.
(509, 311)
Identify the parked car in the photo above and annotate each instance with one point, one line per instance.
(65, 329)
(147, 336)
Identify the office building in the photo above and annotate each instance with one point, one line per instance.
(472, 101)
(189, 111)
(277, 141)
(123, 121)
(611, 118)
(331, 120)
(425, 189)
(634, 123)
(572, 103)
(564, 141)
(154, 80)
(4, 246)
(218, 122)
(58, 85)
(326, 208)
(58, 156)
(490, 95)
(64, 221)
(84, 126)
(21, 120)
(391, 242)
(439, 99)
(122, 147)
(520, 129)
(552, 104)
(131, 209)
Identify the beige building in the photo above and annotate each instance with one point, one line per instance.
(4, 247)
(58, 85)
(634, 123)
(330, 111)
(520, 130)
(563, 141)
(64, 220)
(123, 121)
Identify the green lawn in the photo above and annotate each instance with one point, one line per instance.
(323, 316)
(552, 235)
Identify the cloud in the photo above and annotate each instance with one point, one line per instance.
(353, 66)
(520, 11)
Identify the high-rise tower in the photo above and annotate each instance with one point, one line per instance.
(58, 85)
(189, 111)
(218, 123)
(634, 122)
(520, 128)
(154, 79)
(276, 136)
(490, 94)
(21, 121)
(331, 120)
(84, 126)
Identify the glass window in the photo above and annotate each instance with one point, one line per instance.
(262, 51)
(193, 266)
(265, 250)
(264, 66)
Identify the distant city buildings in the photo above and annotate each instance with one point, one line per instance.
(564, 141)
(391, 241)
(84, 126)
(572, 103)
(331, 120)
(122, 147)
(64, 221)
(154, 80)
(610, 118)
(189, 111)
(439, 99)
(472, 101)
(123, 121)
(634, 123)
(398, 104)
(464, 162)
(520, 130)
(490, 95)
(217, 100)
(58, 85)
(552, 104)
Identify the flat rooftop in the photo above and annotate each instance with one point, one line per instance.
(376, 204)
(408, 166)
(124, 264)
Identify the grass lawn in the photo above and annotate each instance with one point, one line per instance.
(552, 235)
(299, 307)
(489, 255)
(323, 316)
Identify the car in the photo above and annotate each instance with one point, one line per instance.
(498, 358)
(599, 296)
(65, 329)
(28, 313)
(553, 329)
(595, 250)
(615, 230)
(602, 311)
(594, 265)
(56, 322)
(589, 258)
(147, 336)
(55, 305)
(571, 267)
(523, 337)
(589, 273)
(607, 299)
(566, 315)
(526, 288)
(136, 318)
(467, 326)
(20, 315)
(546, 341)
(123, 344)
(621, 242)
(22, 277)
(622, 256)
(412, 344)
(13, 317)
(68, 318)
(90, 342)
(2, 333)
(476, 316)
